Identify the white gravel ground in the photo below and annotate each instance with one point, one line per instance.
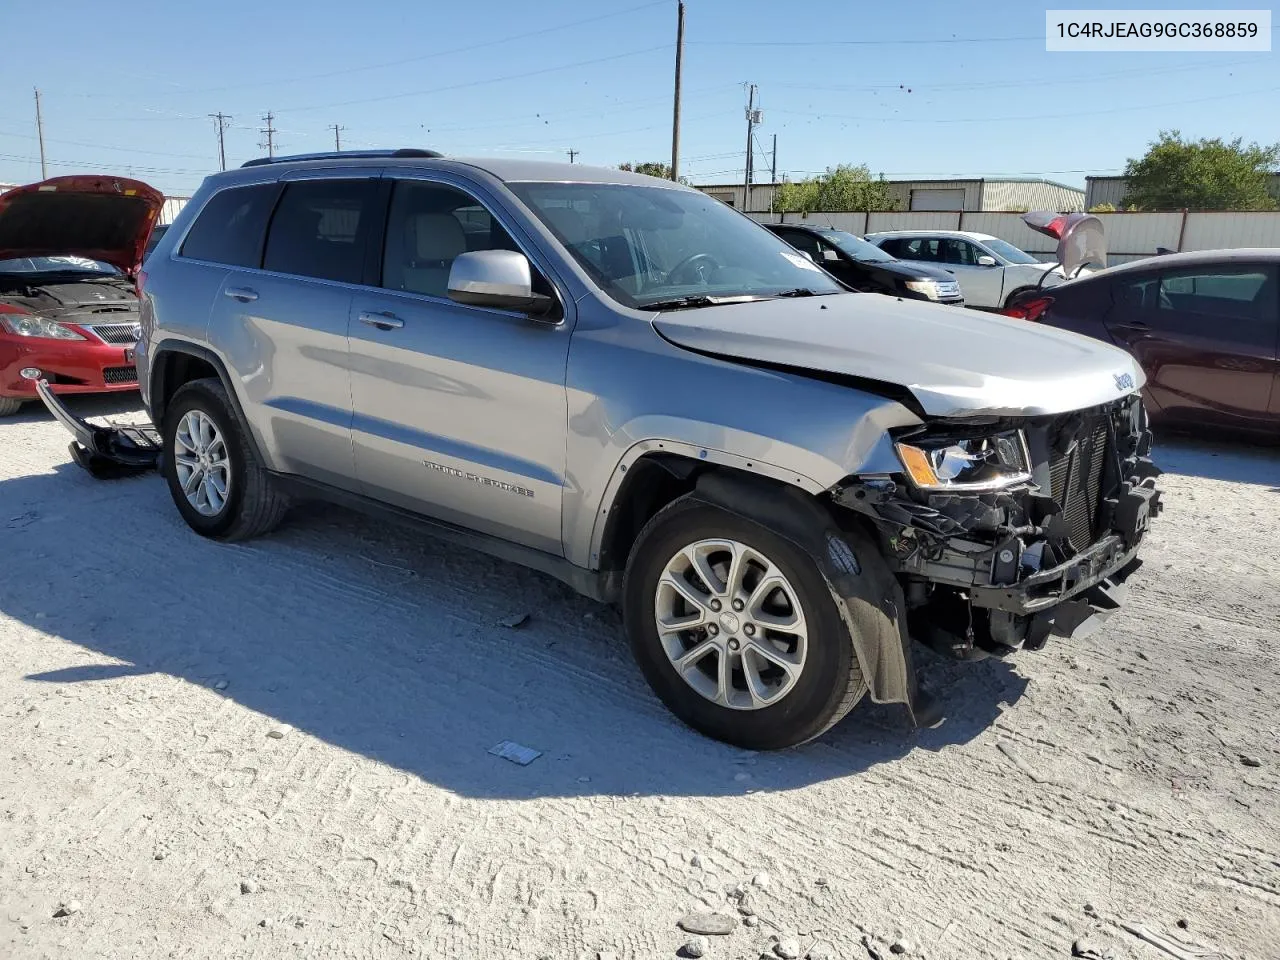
(145, 673)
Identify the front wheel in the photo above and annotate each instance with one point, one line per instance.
(736, 629)
(9, 406)
(216, 481)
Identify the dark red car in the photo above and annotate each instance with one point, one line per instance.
(1204, 326)
(70, 249)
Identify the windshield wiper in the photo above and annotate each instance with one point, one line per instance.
(693, 301)
(797, 292)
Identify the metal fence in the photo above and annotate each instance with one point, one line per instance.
(1130, 236)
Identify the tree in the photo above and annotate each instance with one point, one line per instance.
(842, 189)
(1177, 174)
(650, 168)
(1103, 208)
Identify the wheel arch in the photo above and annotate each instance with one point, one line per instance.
(177, 362)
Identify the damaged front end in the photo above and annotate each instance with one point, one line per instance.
(1007, 531)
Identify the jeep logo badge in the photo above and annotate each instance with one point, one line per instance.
(1124, 381)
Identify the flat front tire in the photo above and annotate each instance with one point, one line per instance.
(216, 481)
(736, 629)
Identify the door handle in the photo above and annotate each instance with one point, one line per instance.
(243, 294)
(383, 321)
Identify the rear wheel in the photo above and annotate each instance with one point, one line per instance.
(216, 481)
(9, 406)
(1012, 298)
(736, 629)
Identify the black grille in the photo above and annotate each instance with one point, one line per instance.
(118, 332)
(1075, 479)
(120, 375)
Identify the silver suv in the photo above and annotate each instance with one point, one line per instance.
(627, 385)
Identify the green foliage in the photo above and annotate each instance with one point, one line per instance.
(1177, 174)
(1103, 208)
(841, 189)
(651, 168)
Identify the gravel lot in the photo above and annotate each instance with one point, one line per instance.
(281, 749)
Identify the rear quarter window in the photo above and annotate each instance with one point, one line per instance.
(231, 227)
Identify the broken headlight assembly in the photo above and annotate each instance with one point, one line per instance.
(972, 464)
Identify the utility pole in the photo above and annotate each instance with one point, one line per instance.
(675, 111)
(753, 117)
(221, 119)
(337, 141)
(270, 131)
(773, 173)
(572, 154)
(44, 173)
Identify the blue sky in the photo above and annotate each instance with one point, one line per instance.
(129, 90)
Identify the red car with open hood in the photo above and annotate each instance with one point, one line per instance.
(70, 250)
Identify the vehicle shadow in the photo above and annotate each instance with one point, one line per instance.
(391, 645)
(1238, 462)
(89, 406)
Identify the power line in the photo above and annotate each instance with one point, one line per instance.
(478, 83)
(337, 140)
(523, 35)
(221, 119)
(1036, 116)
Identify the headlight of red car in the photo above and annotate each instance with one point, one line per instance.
(29, 325)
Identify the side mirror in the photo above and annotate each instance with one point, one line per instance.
(501, 279)
(986, 261)
(830, 255)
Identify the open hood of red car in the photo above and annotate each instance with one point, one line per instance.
(102, 218)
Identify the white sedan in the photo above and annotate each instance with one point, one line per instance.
(990, 270)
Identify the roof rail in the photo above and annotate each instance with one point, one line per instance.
(346, 155)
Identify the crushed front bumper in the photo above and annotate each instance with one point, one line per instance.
(105, 452)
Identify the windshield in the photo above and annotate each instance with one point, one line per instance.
(58, 265)
(856, 247)
(1009, 251)
(650, 245)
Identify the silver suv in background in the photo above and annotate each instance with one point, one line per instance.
(624, 383)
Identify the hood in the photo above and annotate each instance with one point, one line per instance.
(956, 363)
(909, 270)
(101, 218)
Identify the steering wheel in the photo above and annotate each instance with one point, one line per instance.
(704, 262)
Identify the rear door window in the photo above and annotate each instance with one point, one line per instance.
(1242, 293)
(319, 229)
(230, 228)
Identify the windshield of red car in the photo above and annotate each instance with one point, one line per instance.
(59, 265)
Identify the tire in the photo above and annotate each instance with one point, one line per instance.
(9, 406)
(828, 682)
(1008, 301)
(249, 505)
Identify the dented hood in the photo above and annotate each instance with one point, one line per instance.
(955, 362)
(101, 218)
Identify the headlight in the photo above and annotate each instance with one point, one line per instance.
(928, 288)
(29, 325)
(981, 463)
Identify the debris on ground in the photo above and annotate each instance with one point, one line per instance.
(1250, 761)
(221, 685)
(249, 885)
(1173, 948)
(707, 924)
(761, 880)
(901, 946)
(697, 947)
(1088, 950)
(67, 908)
(280, 731)
(515, 752)
(787, 949)
(514, 621)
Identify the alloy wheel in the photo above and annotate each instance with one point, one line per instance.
(201, 463)
(731, 624)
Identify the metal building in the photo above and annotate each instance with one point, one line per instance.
(997, 195)
(1113, 190)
